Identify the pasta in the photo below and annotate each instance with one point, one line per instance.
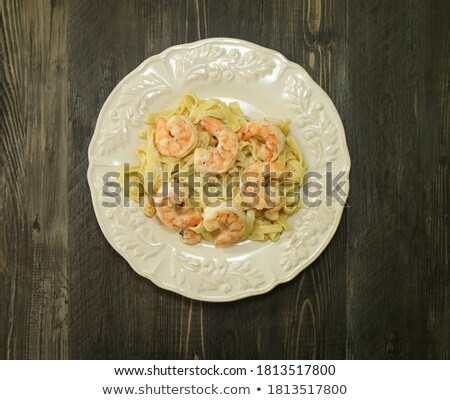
(206, 147)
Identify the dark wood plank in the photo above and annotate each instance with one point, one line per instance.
(428, 222)
(33, 270)
(397, 260)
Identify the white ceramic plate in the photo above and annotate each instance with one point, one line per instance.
(265, 84)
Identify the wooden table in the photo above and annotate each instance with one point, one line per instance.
(381, 289)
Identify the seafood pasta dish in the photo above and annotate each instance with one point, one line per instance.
(210, 173)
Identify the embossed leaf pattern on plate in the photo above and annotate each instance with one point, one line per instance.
(203, 275)
(315, 124)
(216, 63)
(303, 239)
(321, 133)
(129, 111)
(126, 220)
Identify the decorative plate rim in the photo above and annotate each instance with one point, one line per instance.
(251, 291)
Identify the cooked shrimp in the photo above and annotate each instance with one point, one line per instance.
(269, 133)
(176, 137)
(172, 211)
(188, 236)
(230, 221)
(257, 184)
(224, 156)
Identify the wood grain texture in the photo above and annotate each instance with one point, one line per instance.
(381, 289)
(397, 262)
(34, 179)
